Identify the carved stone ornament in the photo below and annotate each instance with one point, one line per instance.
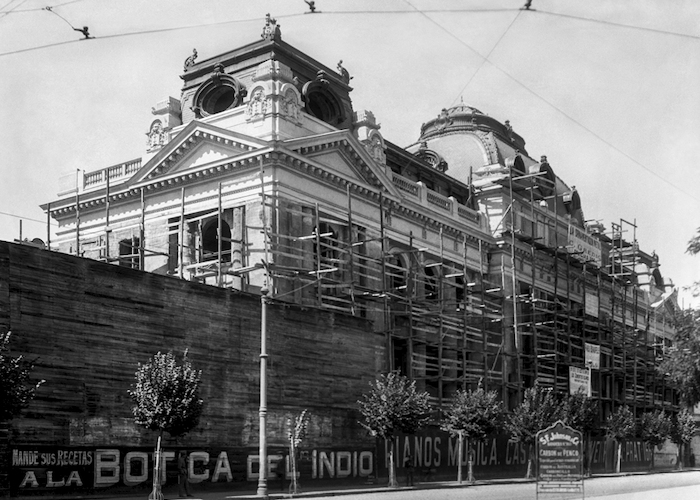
(157, 136)
(258, 105)
(344, 74)
(190, 60)
(444, 120)
(271, 30)
(430, 156)
(290, 104)
(375, 148)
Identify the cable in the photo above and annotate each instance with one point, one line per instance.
(13, 8)
(619, 25)
(487, 56)
(26, 218)
(594, 134)
(145, 32)
(35, 9)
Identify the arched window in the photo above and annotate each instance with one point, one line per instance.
(210, 241)
(430, 286)
(326, 246)
(395, 274)
(129, 252)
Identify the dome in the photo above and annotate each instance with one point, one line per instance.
(463, 118)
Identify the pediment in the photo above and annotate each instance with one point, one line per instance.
(341, 155)
(201, 154)
(198, 144)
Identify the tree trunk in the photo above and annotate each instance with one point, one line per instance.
(4, 459)
(392, 470)
(294, 486)
(470, 463)
(680, 456)
(459, 460)
(528, 473)
(652, 456)
(618, 463)
(156, 493)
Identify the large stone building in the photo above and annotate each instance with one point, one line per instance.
(470, 260)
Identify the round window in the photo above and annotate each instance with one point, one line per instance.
(218, 99)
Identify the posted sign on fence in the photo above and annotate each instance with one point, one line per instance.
(559, 460)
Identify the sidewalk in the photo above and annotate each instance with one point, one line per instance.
(274, 492)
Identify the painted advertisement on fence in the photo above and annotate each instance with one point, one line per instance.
(72, 469)
(435, 455)
(40, 469)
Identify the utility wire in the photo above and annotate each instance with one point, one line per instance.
(618, 25)
(26, 218)
(487, 57)
(146, 32)
(13, 8)
(554, 106)
(35, 9)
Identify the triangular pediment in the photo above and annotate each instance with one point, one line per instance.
(197, 145)
(341, 154)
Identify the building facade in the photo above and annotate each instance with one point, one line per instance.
(471, 258)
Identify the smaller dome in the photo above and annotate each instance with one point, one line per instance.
(462, 118)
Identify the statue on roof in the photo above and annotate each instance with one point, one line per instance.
(190, 60)
(271, 30)
(344, 74)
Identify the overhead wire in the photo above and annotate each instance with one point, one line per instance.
(25, 218)
(555, 107)
(146, 32)
(505, 32)
(618, 25)
(424, 13)
(5, 13)
(34, 9)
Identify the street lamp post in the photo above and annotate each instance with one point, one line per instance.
(262, 475)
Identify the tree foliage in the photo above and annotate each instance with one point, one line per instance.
(682, 427)
(393, 405)
(166, 394)
(16, 387)
(681, 363)
(682, 431)
(475, 413)
(620, 425)
(654, 427)
(694, 244)
(580, 412)
(540, 409)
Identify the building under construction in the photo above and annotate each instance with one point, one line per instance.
(472, 259)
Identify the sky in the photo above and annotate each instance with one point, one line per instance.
(608, 91)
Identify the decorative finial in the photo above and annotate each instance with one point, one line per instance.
(190, 60)
(312, 6)
(271, 30)
(509, 128)
(344, 74)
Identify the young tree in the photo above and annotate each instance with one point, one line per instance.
(681, 363)
(694, 249)
(472, 415)
(297, 429)
(166, 399)
(16, 387)
(682, 431)
(580, 412)
(620, 426)
(654, 429)
(393, 405)
(540, 408)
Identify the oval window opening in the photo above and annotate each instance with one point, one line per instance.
(219, 99)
